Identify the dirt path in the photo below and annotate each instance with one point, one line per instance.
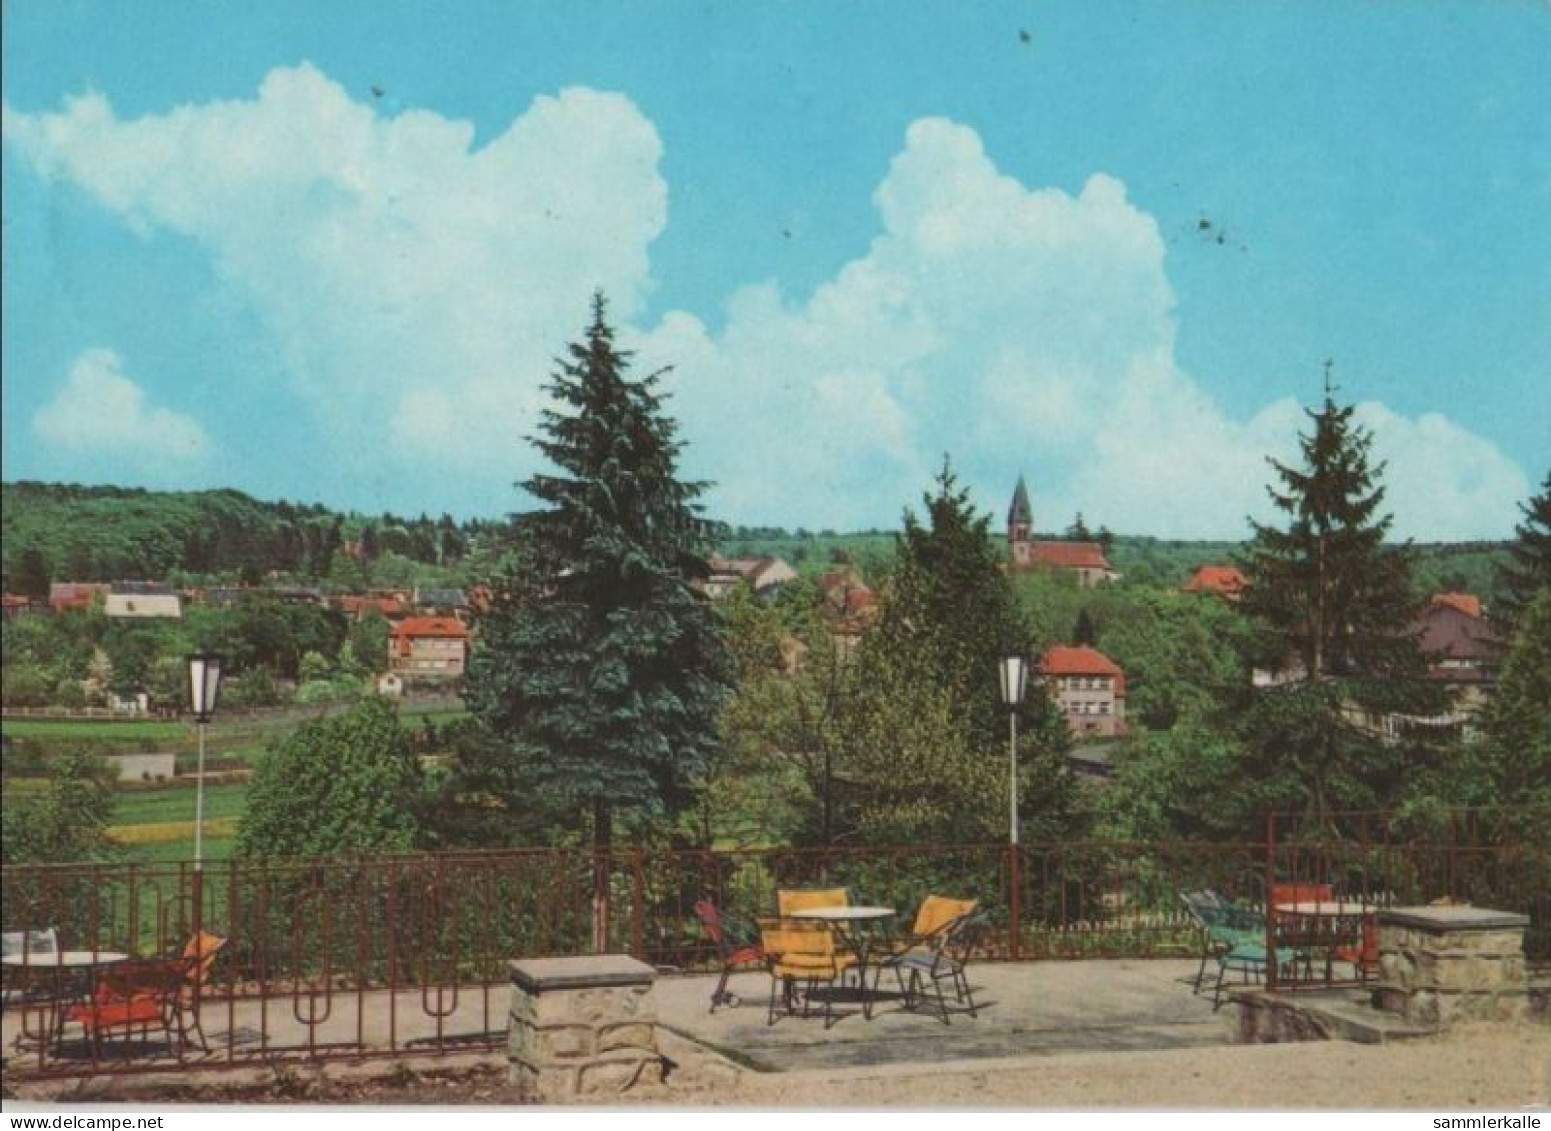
(1493, 1068)
(1477, 1068)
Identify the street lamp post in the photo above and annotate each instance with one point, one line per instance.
(204, 677)
(1013, 673)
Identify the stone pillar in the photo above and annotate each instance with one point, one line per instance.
(582, 1027)
(1439, 965)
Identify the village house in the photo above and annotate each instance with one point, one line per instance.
(763, 575)
(1084, 560)
(1463, 649)
(142, 600)
(1226, 581)
(844, 594)
(393, 606)
(442, 602)
(1089, 689)
(64, 596)
(429, 649)
(13, 605)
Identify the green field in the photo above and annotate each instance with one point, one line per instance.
(153, 806)
(77, 730)
(172, 807)
(142, 809)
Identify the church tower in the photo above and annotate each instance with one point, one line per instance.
(1020, 522)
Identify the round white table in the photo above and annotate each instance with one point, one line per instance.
(1327, 924)
(855, 926)
(845, 914)
(64, 960)
(1326, 909)
(61, 963)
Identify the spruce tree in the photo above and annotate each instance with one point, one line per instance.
(951, 603)
(1528, 570)
(599, 662)
(1083, 631)
(949, 618)
(31, 577)
(1339, 608)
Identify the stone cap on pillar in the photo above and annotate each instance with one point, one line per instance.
(583, 972)
(1441, 919)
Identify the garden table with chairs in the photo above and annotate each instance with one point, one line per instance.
(819, 938)
(859, 931)
(70, 985)
(1343, 930)
(106, 991)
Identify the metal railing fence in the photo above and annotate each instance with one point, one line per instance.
(385, 955)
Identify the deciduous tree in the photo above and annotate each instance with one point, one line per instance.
(350, 783)
(66, 823)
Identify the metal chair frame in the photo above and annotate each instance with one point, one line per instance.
(138, 994)
(826, 966)
(943, 956)
(717, 924)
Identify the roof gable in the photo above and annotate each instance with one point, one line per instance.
(1069, 555)
(422, 627)
(1079, 659)
(1467, 603)
(1216, 579)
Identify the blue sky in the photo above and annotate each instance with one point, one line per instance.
(327, 252)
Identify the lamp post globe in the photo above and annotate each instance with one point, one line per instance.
(1013, 678)
(204, 678)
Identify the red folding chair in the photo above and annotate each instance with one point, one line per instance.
(743, 950)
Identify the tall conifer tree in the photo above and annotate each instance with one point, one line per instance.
(1528, 570)
(1340, 606)
(599, 662)
(950, 617)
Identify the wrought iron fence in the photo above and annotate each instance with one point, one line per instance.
(375, 956)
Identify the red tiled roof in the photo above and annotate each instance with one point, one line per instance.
(427, 628)
(1079, 659)
(387, 606)
(844, 591)
(1467, 603)
(74, 594)
(1069, 555)
(1217, 579)
(1446, 630)
(431, 626)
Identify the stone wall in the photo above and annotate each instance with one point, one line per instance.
(1267, 1020)
(1441, 965)
(583, 1028)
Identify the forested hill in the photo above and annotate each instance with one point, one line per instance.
(81, 533)
(78, 533)
(1141, 560)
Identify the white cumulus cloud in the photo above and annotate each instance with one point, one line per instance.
(418, 286)
(1021, 330)
(99, 411)
(406, 274)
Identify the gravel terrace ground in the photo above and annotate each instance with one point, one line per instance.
(1112, 1034)
(1500, 1068)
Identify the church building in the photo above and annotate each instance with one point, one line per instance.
(1084, 559)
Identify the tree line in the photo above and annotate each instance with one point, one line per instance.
(609, 699)
(66, 532)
